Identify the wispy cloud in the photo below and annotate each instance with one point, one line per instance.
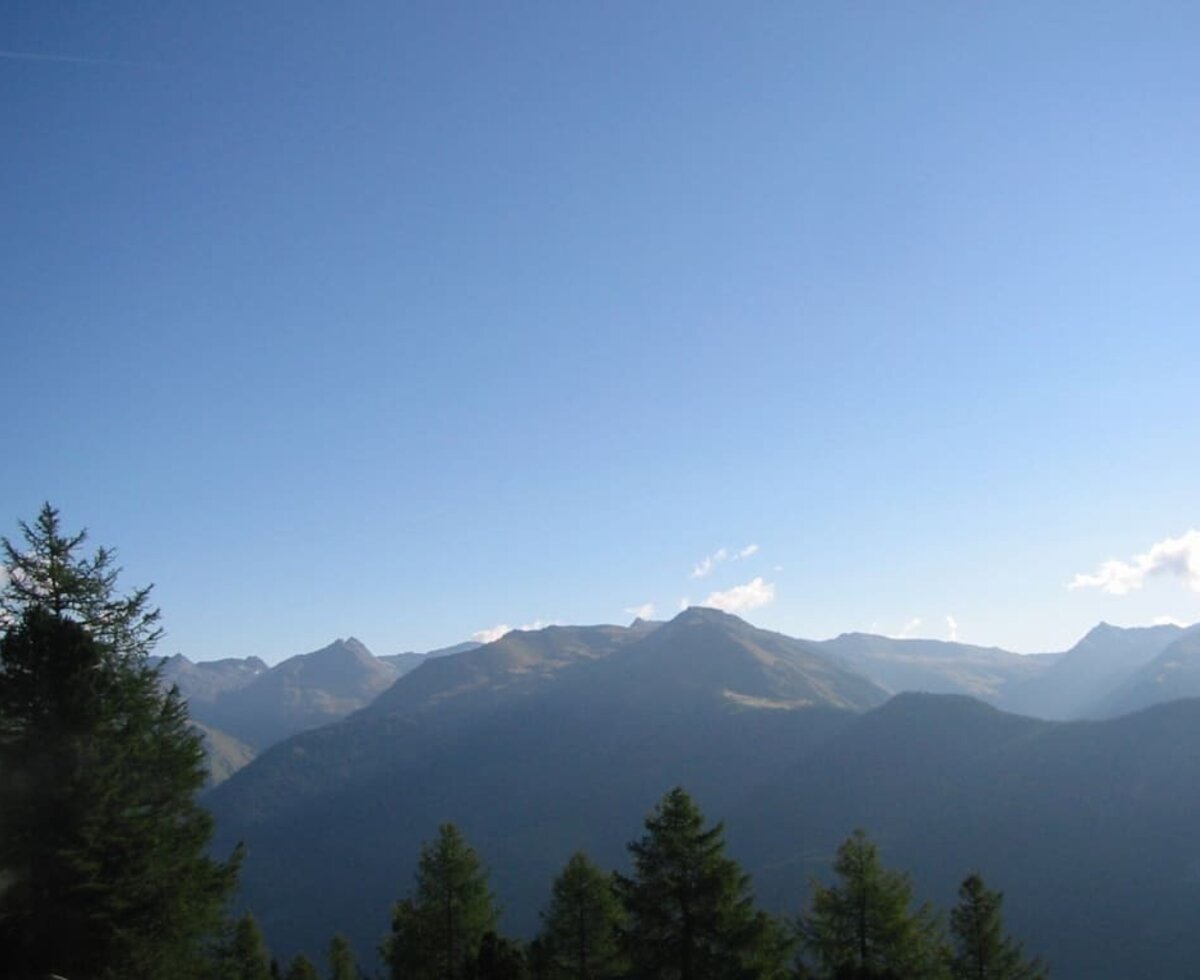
(703, 568)
(644, 611)
(742, 598)
(706, 564)
(76, 59)
(909, 628)
(1175, 557)
(494, 633)
(951, 628)
(684, 602)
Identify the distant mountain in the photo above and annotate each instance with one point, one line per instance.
(934, 666)
(300, 693)
(405, 662)
(207, 681)
(540, 743)
(1087, 673)
(1174, 673)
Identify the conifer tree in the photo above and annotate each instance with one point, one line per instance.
(436, 933)
(102, 846)
(982, 950)
(580, 928)
(865, 928)
(690, 913)
(301, 968)
(49, 572)
(247, 958)
(498, 959)
(342, 965)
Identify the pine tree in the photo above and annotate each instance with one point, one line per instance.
(436, 934)
(102, 846)
(689, 911)
(982, 950)
(580, 927)
(864, 927)
(342, 965)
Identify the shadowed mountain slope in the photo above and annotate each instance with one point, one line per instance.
(1088, 827)
(536, 745)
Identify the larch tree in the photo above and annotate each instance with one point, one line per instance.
(580, 932)
(982, 949)
(690, 914)
(865, 927)
(103, 849)
(436, 933)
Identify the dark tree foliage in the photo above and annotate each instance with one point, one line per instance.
(342, 965)
(436, 934)
(580, 937)
(499, 959)
(982, 950)
(246, 956)
(301, 968)
(102, 846)
(689, 910)
(865, 928)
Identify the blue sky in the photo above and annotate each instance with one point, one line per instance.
(407, 321)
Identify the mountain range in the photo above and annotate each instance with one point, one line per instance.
(547, 741)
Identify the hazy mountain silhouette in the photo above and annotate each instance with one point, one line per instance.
(207, 681)
(935, 666)
(1174, 673)
(410, 660)
(1087, 673)
(300, 693)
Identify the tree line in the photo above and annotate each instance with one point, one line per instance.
(105, 872)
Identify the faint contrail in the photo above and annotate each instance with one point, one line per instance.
(73, 60)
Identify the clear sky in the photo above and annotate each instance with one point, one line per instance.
(404, 321)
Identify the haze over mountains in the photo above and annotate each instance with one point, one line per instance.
(551, 740)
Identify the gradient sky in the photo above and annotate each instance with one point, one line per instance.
(404, 321)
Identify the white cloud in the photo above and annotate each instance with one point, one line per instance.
(1169, 621)
(491, 634)
(1176, 557)
(705, 565)
(909, 628)
(494, 633)
(644, 611)
(742, 598)
(684, 603)
(951, 628)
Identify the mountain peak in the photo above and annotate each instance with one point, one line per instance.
(707, 614)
